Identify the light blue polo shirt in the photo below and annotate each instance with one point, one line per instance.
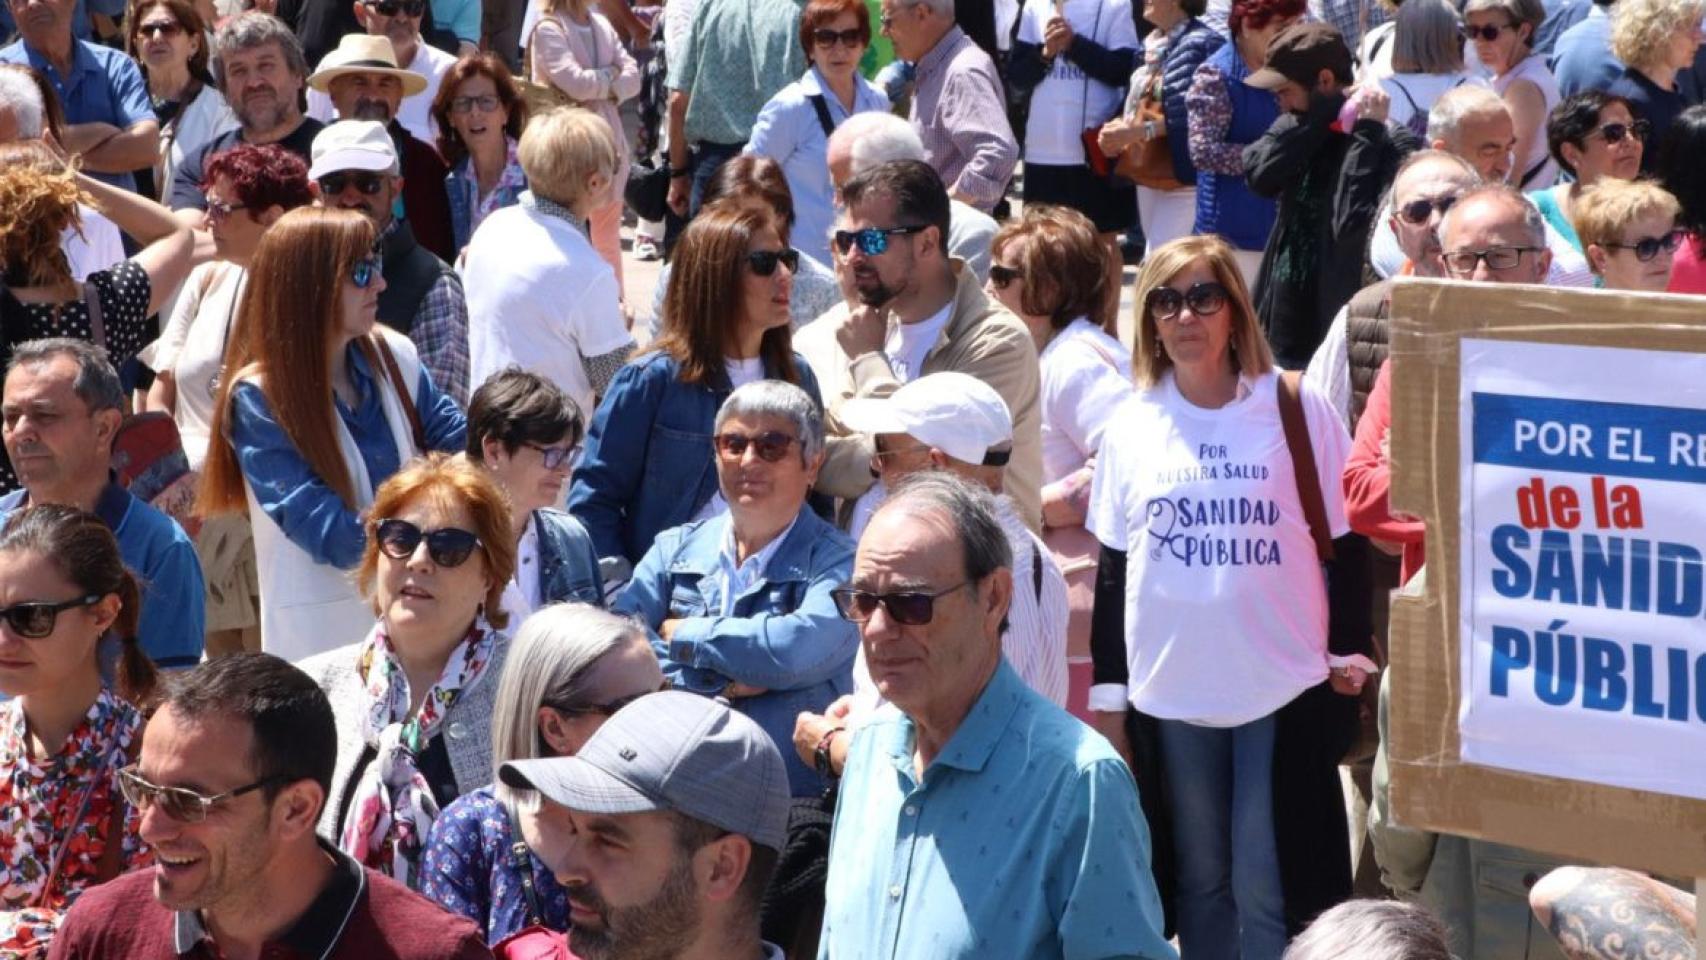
(104, 86)
(1024, 839)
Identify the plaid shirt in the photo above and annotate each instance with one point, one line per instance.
(441, 336)
(1352, 18)
(961, 115)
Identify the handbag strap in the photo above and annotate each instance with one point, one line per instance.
(521, 863)
(405, 396)
(1296, 427)
(821, 105)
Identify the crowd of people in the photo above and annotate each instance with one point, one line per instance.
(384, 570)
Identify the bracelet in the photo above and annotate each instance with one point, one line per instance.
(820, 753)
(675, 174)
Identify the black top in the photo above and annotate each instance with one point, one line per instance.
(187, 178)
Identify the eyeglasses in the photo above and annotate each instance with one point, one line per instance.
(1647, 248)
(160, 28)
(1498, 258)
(1613, 133)
(1002, 276)
(553, 457)
(368, 183)
(179, 803)
(448, 547)
(36, 619)
(220, 211)
(365, 270)
(1418, 212)
(486, 103)
(390, 8)
(872, 241)
(610, 708)
(771, 445)
(907, 609)
(1487, 31)
(763, 262)
(1204, 299)
(881, 457)
(848, 38)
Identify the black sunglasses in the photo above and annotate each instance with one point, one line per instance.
(1204, 299)
(771, 445)
(448, 547)
(390, 8)
(1614, 133)
(333, 184)
(1647, 248)
(763, 262)
(36, 619)
(607, 709)
(847, 38)
(1417, 212)
(908, 609)
(179, 803)
(872, 241)
(160, 28)
(1002, 276)
(1488, 31)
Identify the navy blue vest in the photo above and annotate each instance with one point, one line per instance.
(1225, 204)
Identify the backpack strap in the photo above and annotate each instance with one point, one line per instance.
(518, 861)
(1296, 427)
(405, 396)
(821, 105)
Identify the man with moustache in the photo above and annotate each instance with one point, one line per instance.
(354, 166)
(234, 767)
(400, 22)
(363, 82)
(258, 63)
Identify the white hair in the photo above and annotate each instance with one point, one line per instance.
(942, 8)
(1446, 119)
(20, 95)
(875, 138)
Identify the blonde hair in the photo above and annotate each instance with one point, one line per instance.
(1641, 29)
(1248, 348)
(561, 148)
(1605, 209)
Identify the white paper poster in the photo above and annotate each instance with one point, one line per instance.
(1582, 608)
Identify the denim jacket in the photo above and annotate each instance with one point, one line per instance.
(785, 634)
(568, 566)
(647, 464)
(464, 195)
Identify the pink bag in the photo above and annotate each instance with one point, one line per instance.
(533, 943)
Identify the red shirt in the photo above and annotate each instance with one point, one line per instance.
(360, 915)
(1368, 480)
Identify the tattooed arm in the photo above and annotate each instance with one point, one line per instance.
(1601, 914)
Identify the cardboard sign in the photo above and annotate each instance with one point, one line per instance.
(1549, 689)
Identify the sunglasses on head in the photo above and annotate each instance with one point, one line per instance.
(36, 619)
(179, 803)
(160, 28)
(1002, 276)
(553, 457)
(872, 241)
(448, 546)
(390, 8)
(1614, 133)
(1418, 212)
(763, 262)
(367, 182)
(1487, 31)
(912, 609)
(1647, 248)
(771, 445)
(365, 270)
(1204, 299)
(847, 38)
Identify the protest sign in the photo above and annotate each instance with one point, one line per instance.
(1549, 689)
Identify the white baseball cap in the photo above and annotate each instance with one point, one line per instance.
(352, 145)
(954, 412)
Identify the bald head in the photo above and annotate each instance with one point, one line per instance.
(1495, 235)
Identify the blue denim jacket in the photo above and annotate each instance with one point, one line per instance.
(785, 634)
(647, 465)
(568, 566)
(464, 194)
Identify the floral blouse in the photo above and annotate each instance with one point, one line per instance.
(468, 869)
(42, 803)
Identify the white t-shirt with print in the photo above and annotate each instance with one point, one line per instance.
(1226, 603)
(1068, 101)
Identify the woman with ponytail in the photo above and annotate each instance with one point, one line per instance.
(65, 600)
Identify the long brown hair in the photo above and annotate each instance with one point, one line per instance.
(707, 293)
(38, 201)
(85, 552)
(287, 321)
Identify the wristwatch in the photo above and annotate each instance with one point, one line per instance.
(820, 754)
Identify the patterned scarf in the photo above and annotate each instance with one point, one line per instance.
(393, 806)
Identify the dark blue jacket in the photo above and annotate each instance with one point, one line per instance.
(568, 565)
(1184, 55)
(648, 464)
(1225, 203)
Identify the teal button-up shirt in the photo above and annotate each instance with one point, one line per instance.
(1023, 839)
(739, 53)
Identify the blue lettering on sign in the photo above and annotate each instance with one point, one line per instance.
(1598, 570)
(1590, 436)
(1598, 673)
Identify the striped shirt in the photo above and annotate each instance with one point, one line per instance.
(961, 114)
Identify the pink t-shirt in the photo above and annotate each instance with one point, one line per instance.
(1688, 273)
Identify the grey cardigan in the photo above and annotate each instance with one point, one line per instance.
(467, 728)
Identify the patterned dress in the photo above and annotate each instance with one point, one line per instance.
(60, 807)
(468, 869)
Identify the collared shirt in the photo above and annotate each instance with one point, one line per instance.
(1023, 838)
(440, 335)
(738, 54)
(314, 934)
(521, 593)
(104, 86)
(736, 577)
(961, 114)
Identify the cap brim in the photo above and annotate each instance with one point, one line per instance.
(339, 160)
(1267, 79)
(872, 415)
(413, 82)
(578, 785)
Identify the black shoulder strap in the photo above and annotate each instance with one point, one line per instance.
(822, 107)
(518, 861)
(1534, 171)
(1407, 98)
(1037, 571)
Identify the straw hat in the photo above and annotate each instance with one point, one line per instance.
(361, 53)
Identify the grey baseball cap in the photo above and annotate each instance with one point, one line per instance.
(672, 751)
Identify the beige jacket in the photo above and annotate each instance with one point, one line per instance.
(981, 339)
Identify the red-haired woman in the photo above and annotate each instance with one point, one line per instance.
(480, 113)
(319, 406)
